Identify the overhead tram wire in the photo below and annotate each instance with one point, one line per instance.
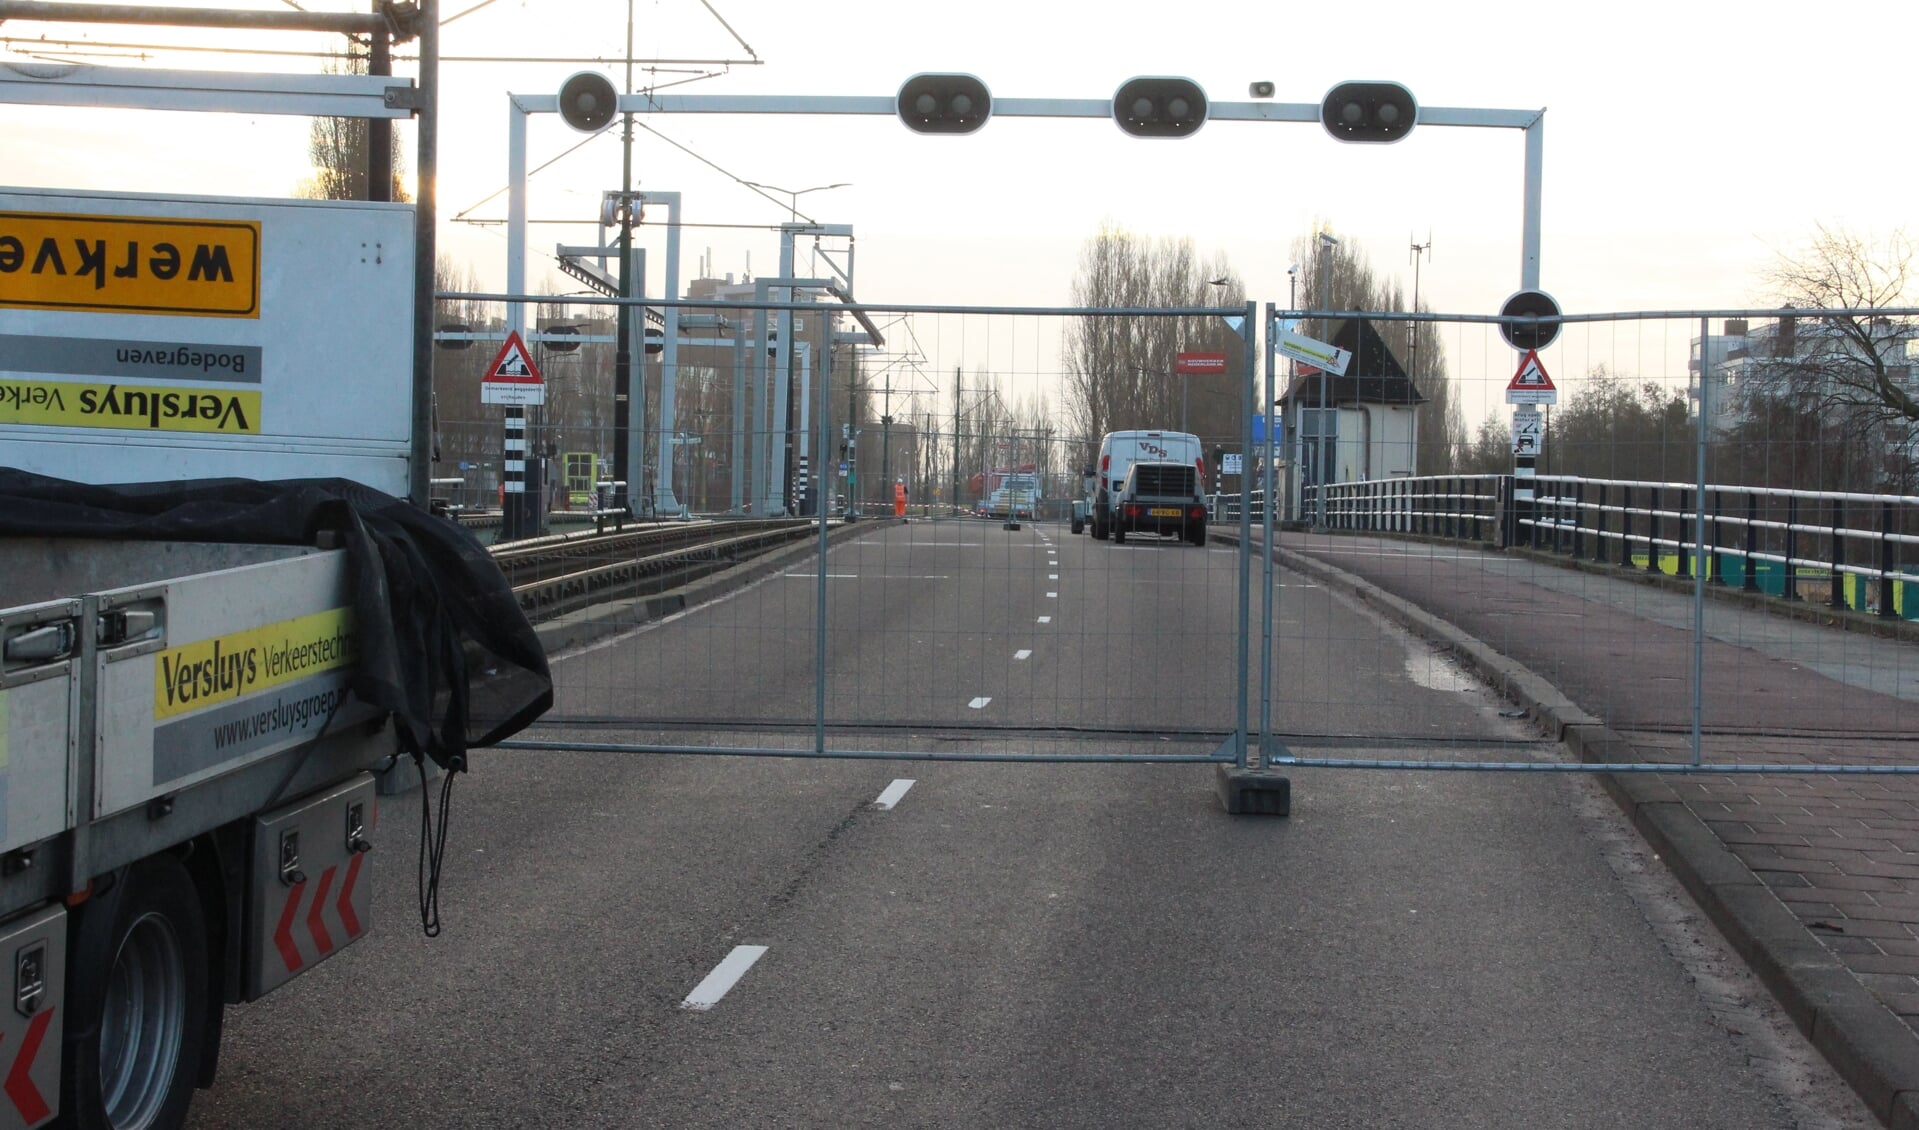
(461, 216)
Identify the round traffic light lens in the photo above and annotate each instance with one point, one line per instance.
(1179, 110)
(1388, 115)
(961, 106)
(927, 105)
(1142, 108)
(1352, 113)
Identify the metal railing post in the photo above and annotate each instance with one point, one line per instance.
(1688, 551)
(1652, 531)
(1579, 517)
(1507, 507)
(1886, 609)
(1599, 528)
(1791, 589)
(1837, 599)
(1752, 542)
(1625, 526)
(1714, 574)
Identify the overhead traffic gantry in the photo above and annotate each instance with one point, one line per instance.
(1154, 106)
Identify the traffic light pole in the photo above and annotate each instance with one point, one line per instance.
(1533, 122)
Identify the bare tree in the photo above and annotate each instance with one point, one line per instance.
(1121, 369)
(338, 149)
(1856, 362)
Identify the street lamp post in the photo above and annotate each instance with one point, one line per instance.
(1186, 385)
(1327, 241)
(1296, 455)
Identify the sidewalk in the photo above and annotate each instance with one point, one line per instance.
(1813, 878)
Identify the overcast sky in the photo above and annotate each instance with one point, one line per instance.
(1685, 144)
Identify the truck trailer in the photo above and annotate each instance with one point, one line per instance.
(222, 624)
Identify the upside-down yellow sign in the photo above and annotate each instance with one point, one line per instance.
(130, 264)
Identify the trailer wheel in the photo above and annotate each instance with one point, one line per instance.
(138, 994)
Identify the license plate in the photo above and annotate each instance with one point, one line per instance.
(1163, 512)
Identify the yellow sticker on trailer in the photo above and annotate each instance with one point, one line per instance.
(130, 264)
(210, 672)
(147, 408)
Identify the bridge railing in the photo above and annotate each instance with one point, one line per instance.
(1848, 550)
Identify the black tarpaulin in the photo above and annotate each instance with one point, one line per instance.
(443, 644)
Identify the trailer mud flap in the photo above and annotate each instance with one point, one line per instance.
(310, 885)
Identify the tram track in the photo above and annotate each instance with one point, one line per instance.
(560, 574)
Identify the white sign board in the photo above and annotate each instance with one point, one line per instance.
(1309, 351)
(147, 337)
(1231, 463)
(1529, 432)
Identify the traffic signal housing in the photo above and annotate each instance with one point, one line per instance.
(1159, 106)
(1370, 112)
(1535, 304)
(588, 101)
(944, 103)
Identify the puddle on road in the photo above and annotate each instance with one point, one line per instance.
(1437, 673)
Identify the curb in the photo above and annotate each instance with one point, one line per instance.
(1871, 1049)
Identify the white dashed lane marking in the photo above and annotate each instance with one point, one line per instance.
(980, 703)
(724, 976)
(893, 793)
(1023, 653)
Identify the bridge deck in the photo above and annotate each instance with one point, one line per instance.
(1840, 853)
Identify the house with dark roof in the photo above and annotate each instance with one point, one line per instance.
(1372, 426)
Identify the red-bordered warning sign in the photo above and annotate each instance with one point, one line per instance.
(1531, 384)
(513, 378)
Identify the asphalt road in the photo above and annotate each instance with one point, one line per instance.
(1047, 945)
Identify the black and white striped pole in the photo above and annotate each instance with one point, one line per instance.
(1529, 388)
(513, 474)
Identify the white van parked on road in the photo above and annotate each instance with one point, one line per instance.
(1118, 452)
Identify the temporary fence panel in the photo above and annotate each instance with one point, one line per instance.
(877, 549)
(1659, 483)
(879, 540)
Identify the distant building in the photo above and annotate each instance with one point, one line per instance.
(1372, 425)
(1813, 369)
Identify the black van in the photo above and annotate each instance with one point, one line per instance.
(1160, 498)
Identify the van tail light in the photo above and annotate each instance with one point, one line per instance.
(1105, 461)
(1200, 463)
(1196, 513)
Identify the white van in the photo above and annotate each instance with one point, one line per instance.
(1118, 452)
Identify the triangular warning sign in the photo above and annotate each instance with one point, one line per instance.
(513, 365)
(1531, 384)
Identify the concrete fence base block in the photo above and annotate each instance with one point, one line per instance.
(1252, 792)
